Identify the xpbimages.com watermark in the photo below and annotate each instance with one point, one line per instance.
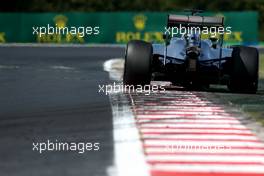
(117, 88)
(172, 148)
(79, 147)
(80, 31)
(182, 30)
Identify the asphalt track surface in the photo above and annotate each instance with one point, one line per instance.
(51, 93)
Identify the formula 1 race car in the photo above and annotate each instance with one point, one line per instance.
(190, 61)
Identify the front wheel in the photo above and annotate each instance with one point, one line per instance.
(138, 63)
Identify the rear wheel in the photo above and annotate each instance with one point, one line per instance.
(244, 74)
(138, 63)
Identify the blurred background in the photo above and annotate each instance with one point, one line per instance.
(123, 20)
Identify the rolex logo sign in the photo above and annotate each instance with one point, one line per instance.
(60, 21)
(140, 21)
(60, 32)
(140, 30)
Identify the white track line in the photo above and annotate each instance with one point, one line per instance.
(207, 131)
(128, 148)
(164, 142)
(212, 168)
(181, 116)
(165, 150)
(185, 136)
(180, 113)
(205, 158)
(235, 126)
(190, 121)
(128, 152)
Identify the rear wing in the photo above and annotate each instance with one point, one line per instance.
(189, 20)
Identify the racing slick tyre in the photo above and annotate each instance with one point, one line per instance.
(138, 63)
(244, 73)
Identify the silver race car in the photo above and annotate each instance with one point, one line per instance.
(190, 61)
